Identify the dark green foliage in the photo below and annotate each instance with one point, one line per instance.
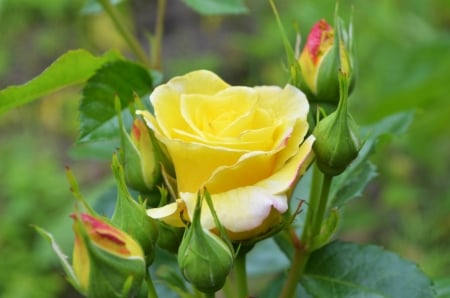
(343, 269)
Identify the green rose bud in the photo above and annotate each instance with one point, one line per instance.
(107, 262)
(131, 216)
(141, 167)
(205, 258)
(143, 158)
(337, 139)
(326, 51)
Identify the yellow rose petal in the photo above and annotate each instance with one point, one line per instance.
(293, 143)
(281, 180)
(248, 170)
(255, 166)
(166, 98)
(248, 140)
(229, 119)
(166, 104)
(81, 264)
(194, 163)
(286, 106)
(198, 82)
(212, 114)
(171, 213)
(239, 210)
(150, 121)
(288, 103)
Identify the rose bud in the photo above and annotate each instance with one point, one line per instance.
(205, 258)
(107, 262)
(142, 158)
(337, 139)
(325, 52)
(131, 216)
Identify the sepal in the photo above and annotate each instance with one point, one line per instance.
(337, 136)
(68, 269)
(131, 216)
(142, 157)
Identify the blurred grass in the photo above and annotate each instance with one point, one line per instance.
(403, 53)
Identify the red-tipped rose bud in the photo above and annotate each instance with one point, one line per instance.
(106, 260)
(326, 51)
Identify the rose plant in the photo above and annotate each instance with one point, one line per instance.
(240, 149)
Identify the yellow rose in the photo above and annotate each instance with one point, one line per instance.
(245, 145)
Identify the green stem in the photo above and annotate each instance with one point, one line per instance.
(320, 187)
(132, 42)
(326, 183)
(209, 295)
(314, 198)
(241, 275)
(297, 267)
(228, 289)
(159, 31)
(151, 291)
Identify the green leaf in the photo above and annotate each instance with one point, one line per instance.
(98, 117)
(283, 240)
(258, 258)
(343, 269)
(214, 7)
(274, 288)
(327, 230)
(394, 125)
(167, 277)
(100, 150)
(71, 68)
(173, 280)
(352, 182)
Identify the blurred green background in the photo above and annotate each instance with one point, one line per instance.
(403, 54)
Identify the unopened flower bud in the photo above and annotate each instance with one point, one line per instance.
(337, 139)
(326, 51)
(205, 258)
(107, 262)
(131, 216)
(142, 158)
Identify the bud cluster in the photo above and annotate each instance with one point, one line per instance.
(327, 76)
(337, 138)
